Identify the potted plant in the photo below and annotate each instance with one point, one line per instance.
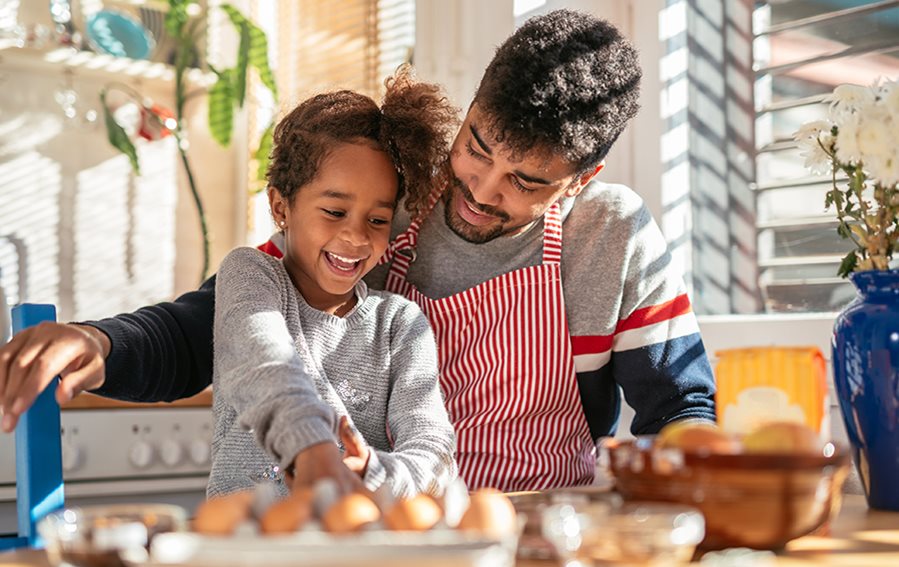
(858, 145)
(186, 28)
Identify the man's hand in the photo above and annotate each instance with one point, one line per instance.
(355, 457)
(323, 461)
(33, 357)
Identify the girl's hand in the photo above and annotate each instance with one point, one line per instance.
(323, 461)
(355, 457)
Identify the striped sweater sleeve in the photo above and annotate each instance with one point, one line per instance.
(654, 351)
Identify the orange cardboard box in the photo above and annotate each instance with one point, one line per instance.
(761, 384)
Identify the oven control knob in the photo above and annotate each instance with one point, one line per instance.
(199, 452)
(71, 456)
(171, 452)
(141, 455)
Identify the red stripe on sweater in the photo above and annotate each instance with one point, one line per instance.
(270, 249)
(655, 314)
(591, 344)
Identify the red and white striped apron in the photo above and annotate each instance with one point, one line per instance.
(507, 371)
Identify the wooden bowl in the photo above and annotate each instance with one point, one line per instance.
(748, 500)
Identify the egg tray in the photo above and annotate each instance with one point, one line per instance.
(310, 548)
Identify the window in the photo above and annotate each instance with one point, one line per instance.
(802, 50)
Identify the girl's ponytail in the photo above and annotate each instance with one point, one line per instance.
(417, 126)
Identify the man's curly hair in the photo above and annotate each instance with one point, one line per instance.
(566, 83)
(414, 125)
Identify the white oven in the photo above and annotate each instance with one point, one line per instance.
(142, 454)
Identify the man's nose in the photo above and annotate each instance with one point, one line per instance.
(486, 187)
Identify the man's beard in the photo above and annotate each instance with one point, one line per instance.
(462, 229)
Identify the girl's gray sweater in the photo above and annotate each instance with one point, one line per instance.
(284, 372)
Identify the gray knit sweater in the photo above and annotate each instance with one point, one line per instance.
(284, 372)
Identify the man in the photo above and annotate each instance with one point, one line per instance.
(546, 289)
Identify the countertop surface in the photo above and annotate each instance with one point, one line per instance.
(859, 537)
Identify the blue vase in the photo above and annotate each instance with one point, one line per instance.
(866, 376)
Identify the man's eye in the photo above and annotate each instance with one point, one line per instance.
(471, 151)
(517, 184)
(336, 214)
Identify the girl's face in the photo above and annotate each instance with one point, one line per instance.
(338, 225)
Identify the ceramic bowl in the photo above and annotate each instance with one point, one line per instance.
(760, 501)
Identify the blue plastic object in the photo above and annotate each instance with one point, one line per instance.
(115, 33)
(39, 484)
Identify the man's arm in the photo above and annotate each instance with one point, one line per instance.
(158, 353)
(162, 352)
(657, 353)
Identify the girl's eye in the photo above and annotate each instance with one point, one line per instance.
(380, 222)
(517, 184)
(474, 154)
(336, 214)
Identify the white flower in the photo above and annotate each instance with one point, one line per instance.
(812, 129)
(889, 96)
(884, 168)
(847, 99)
(810, 138)
(874, 139)
(846, 144)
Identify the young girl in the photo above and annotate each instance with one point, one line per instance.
(301, 342)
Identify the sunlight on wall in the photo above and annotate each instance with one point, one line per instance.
(77, 228)
(29, 220)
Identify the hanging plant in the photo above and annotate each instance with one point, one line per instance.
(225, 95)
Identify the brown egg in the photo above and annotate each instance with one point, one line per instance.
(491, 513)
(419, 513)
(288, 515)
(697, 437)
(222, 514)
(783, 437)
(350, 514)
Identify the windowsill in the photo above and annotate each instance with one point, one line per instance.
(720, 332)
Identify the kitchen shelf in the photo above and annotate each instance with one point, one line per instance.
(93, 65)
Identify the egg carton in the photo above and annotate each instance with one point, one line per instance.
(321, 541)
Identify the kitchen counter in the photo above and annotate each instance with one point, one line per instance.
(859, 538)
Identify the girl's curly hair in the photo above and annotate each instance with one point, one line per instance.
(564, 83)
(414, 126)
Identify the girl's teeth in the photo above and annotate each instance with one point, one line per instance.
(342, 259)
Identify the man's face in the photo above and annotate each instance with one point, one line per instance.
(491, 195)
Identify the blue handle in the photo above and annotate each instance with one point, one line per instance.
(39, 485)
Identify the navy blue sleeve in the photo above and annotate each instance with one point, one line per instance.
(162, 352)
(666, 382)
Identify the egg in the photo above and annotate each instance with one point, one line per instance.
(350, 514)
(288, 515)
(222, 514)
(783, 437)
(491, 513)
(418, 513)
(697, 437)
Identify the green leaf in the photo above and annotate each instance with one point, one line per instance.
(117, 136)
(848, 264)
(240, 72)
(264, 152)
(221, 107)
(258, 52)
(843, 229)
(176, 17)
